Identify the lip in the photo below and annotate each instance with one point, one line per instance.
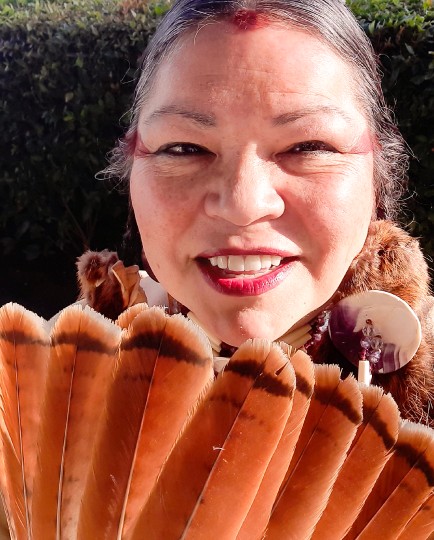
(243, 286)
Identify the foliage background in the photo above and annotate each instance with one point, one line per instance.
(67, 73)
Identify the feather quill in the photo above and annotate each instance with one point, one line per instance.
(165, 364)
(369, 452)
(256, 521)
(334, 415)
(24, 353)
(248, 405)
(421, 524)
(404, 484)
(84, 346)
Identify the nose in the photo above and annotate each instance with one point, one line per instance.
(247, 193)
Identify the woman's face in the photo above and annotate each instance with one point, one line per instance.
(252, 151)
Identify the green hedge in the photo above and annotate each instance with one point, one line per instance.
(66, 80)
(403, 35)
(67, 75)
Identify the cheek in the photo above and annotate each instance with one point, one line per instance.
(336, 210)
(166, 208)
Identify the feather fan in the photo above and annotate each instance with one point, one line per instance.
(119, 431)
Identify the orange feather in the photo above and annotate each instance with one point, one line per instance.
(256, 521)
(404, 484)
(229, 415)
(126, 317)
(24, 353)
(421, 524)
(334, 414)
(370, 450)
(165, 364)
(84, 347)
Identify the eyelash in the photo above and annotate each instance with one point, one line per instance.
(166, 149)
(311, 147)
(189, 149)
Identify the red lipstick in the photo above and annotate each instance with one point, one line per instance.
(244, 285)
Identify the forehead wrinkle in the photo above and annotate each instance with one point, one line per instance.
(203, 119)
(287, 118)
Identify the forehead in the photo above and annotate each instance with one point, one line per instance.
(259, 71)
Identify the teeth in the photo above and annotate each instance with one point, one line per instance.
(252, 262)
(239, 263)
(266, 261)
(275, 260)
(236, 263)
(222, 262)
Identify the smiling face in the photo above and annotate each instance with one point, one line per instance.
(252, 151)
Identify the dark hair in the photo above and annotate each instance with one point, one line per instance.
(331, 22)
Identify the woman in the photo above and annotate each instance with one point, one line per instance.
(263, 169)
(262, 164)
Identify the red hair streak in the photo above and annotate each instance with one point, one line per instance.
(248, 19)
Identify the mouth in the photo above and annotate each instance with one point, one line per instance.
(245, 275)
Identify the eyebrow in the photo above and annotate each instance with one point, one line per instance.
(209, 120)
(287, 118)
(204, 120)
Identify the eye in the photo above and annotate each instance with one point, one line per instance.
(181, 149)
(311, 147)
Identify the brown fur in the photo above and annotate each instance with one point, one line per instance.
(99, 288)
(392, 261)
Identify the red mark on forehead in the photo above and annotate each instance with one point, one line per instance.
(140, 149)
(363, 145)
(248, 19)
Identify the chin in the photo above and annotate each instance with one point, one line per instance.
(250, 323)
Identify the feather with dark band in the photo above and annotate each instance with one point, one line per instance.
(256, 521)
(158, 380)
(402, 487)
(334, 415)
(251, 398)
(24, 354)
(369, 452)
(84, 346)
